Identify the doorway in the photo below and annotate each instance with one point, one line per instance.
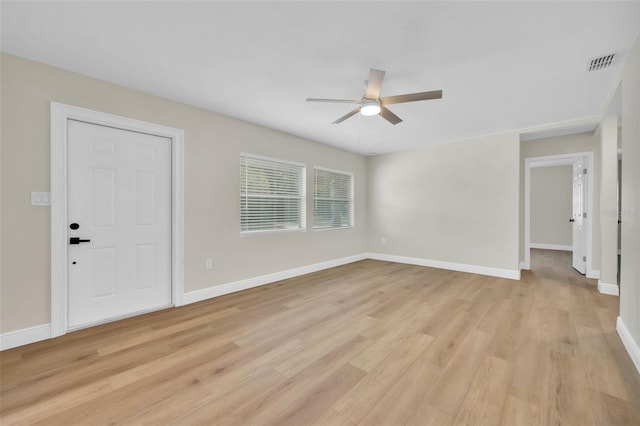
(582, 237)
(117, 217)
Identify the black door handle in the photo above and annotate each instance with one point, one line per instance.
(77, 240)
(572, 220)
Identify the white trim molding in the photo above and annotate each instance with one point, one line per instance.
(232, 287)
(559, 247)
(593, 273)
(513, 274)
(610, 289)
(42, 332)
(629, 342)
(25, 336)
(60, 114)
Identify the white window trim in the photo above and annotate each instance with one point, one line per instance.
(277, 160)
(303, 198)
(352, 200)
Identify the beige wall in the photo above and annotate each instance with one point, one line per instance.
(455, 202)
(584, 142)
(212, 147)
(551, 194)
(630, 268)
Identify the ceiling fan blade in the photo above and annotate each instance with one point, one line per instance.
(349, 114)
(339, 101)
(412, 97)
(389, 116)
(374, 84)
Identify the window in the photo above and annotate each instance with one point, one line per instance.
(332, 199)
(271, 194)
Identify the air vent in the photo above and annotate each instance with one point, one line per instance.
(601, 62)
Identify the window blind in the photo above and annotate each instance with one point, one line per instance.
(332, 199)
(271, 194)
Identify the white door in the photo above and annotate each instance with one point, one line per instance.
(579, 216)
(119, 201)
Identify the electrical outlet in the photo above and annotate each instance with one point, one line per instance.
(208, 264)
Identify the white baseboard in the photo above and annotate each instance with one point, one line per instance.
(42, 332)
(593, 273)
(525, 265)
(25, 336)
(551, 247)
(462, 267)
(629, 343)
(606, 288)
(232, 287)
(37, 333)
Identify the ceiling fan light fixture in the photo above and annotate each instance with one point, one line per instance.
(370, 107)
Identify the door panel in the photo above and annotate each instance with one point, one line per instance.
(103, 272)
(579, 217)
(119, 192)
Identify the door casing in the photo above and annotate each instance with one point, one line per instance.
(60, 114)
(579, 224)
(550, 161)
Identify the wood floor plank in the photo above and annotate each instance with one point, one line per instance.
(519, 412)
(201, 408)
(568, 391)
(484, 402)
(319, 399)
(427, 415)
(452, 385)
(609, 410)
(369, 343)
(508, 336)
(397, 406)
(333, 418)
(296, 363)
(386, 342)
(270, 404)
(357, 403)
(224, 388)
(532, 369)
(601, 373)
(448, 342)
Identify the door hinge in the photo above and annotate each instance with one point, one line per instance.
(584, 214)
(584, 258)
(584, 171)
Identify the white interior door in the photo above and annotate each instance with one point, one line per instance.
(579, 216)
(119, 201)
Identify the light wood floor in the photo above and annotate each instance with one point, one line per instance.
(368, 343)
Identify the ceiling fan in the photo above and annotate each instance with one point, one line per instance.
(372, 104)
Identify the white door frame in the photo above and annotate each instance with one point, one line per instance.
(60, 114)
(550, 161)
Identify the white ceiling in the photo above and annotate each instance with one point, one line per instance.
(501, 65)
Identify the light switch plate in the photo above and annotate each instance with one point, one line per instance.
(40, 198)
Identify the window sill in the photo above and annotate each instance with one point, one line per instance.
(333, 229)
(251, 234)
